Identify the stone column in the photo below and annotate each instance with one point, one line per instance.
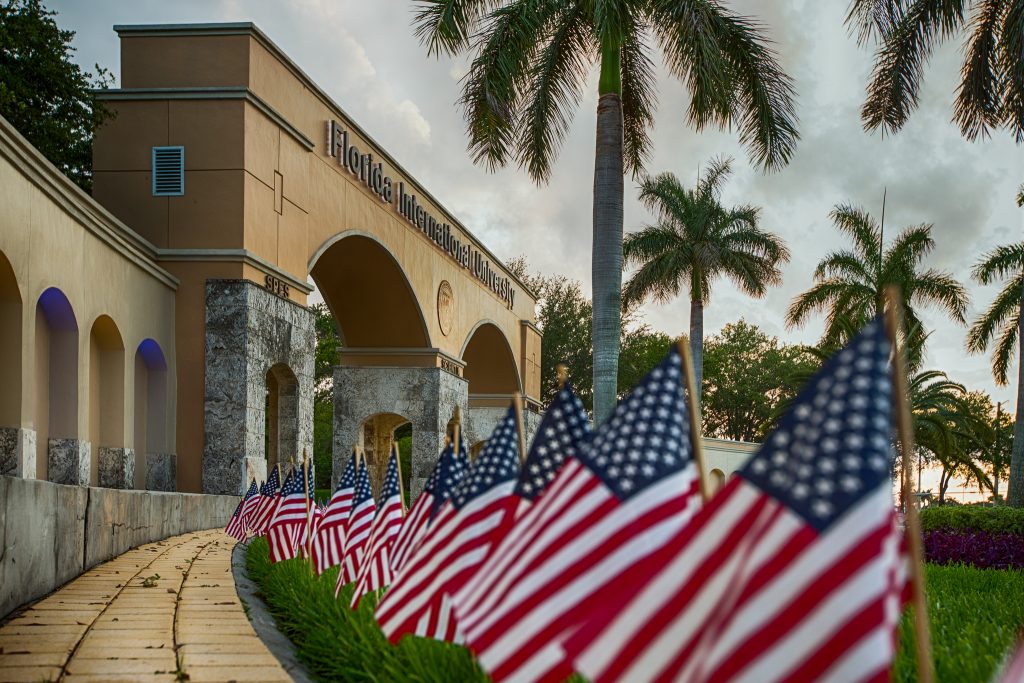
(426, 397)
(68, 461)
(248, 332)
(161, 472)
(116, 467)
(18, 452)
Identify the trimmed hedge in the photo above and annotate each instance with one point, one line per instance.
(974, 613)
(995, 520)
(978, 548)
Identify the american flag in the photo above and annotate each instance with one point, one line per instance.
(329, 541)
(794, 571)
(236, 527)
(375, 572)
(480, 511)
(442, 481)
(608, 508)
(1013, 671)
(249, 506)
(284, 533)
(267, 504)
(358, 532)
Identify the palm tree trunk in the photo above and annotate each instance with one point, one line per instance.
(697, 345)
(606, 263)
(1015, 488)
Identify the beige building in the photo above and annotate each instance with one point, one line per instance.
(158, 333)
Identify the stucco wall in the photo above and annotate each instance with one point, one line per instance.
(50, 533)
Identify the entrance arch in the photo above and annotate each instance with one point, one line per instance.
(13, 459)
(490, 363)
(281, 434)
(378, 432)
(67, 458)
(154, 466)
(113, 465)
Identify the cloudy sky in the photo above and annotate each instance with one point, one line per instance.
(365, 56)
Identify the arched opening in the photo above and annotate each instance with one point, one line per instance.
(10, 346)
(281, 425)
(378, 433)
(56, 373)
(150, 409)
(490, 364)
(106, 390)
(716, 481)
(369, 295)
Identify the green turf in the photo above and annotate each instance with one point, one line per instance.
(974, 614)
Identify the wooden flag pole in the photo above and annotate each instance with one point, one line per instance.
(905, 431)
(309, 509)
(398, 466)
(455, 431)
(517, 405)
(696, 441)
(563, 375)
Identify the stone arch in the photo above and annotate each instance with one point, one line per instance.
(154, 464)
(281, 431)
(67, 458)
(16, 457)
(490, 362)
(716, 480)
(378, 431)
(113, 465)
(350, 267)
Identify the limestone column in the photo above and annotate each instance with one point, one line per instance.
(18, 452)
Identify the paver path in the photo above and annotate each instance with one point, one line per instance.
(111, 624)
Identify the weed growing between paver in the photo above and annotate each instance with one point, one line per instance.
(975, 615)
(339, 644)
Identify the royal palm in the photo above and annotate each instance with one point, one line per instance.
(694, 242)
(1002, 325)
(531, 61)
(849, 284)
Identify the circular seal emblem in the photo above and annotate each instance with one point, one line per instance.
(445, 307)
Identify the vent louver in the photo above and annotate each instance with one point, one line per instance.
(168, 171)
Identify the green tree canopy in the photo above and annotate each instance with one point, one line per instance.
(325, 358)
(43, 93)
(748, 375)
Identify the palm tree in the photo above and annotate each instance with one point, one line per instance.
(991, 92)
(695, 241)
(530, 63)
(850, 284)
(1004, 320)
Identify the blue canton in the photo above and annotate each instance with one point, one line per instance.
(252, 490)
(348, 476)
(647, 438)
(292, 484)
(362, 492)
(273, 483)
(563, 432)
(448, 472)
(390, 487)
(833, 446)
(496, 464)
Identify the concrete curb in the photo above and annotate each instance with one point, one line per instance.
(263, 622)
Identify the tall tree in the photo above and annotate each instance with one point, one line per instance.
(1002, 326)
(325, 358)
(530, 62)
(43, 93)
(694, 242)
(850, 284)
(991, 91)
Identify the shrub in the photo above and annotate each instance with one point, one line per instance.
(996, 519)
(978, 548)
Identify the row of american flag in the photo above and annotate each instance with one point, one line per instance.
(595, 551)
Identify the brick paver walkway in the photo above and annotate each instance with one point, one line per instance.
(118, 622)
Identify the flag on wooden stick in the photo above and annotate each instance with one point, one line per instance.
(360, 521)
(267, 503)
(329, 540)
(375, 572)
(236, 527)
(284, 533)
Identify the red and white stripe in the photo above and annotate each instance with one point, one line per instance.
(236, 525)
(454, 547)
(249, 509)
(356, 538)
(284, 534)
(375, 572)
(557, 563)
(263, 514)
(1014, 670)
(412, 530)
(750, 592)
(329, 539)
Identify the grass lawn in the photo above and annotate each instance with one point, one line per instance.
(975, 615)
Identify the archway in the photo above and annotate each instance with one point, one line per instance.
(378, 433)
(369, 295)
(56, 385)
(111, 465)
(716, 480)
(152, 469)
(13, 461)
(490, 363)
(281, 435)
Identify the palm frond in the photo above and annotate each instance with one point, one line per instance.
(872, 19)
(1011, 66)
(942, 290)
(446, 25)
(978, 107)
(1003, 261)
(1004, 310)
(638, 101)
(1003, 356)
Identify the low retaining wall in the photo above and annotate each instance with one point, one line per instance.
(50, 533)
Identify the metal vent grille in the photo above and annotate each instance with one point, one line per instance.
(168, 171)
